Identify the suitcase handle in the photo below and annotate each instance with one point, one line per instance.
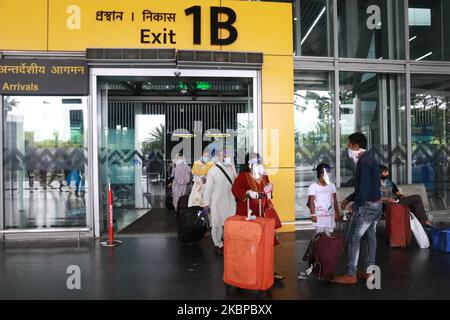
(249, 215)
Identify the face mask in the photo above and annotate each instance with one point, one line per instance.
(261, 169)
(178, 162)
(353, 154)
(255, 172)
(227, 161)
(384, 177)
(205, 159)
(325, 177)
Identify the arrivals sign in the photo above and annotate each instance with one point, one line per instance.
(43, 77)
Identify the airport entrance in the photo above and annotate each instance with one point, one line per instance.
(146, 122)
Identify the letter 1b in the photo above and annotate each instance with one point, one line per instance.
(216, 25)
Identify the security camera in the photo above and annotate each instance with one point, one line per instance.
(177, 73)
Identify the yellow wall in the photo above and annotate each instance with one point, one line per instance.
(23, 25)
(262, 27)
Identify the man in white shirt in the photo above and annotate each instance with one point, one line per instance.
(219, 198)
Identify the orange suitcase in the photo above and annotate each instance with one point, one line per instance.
(249, 253)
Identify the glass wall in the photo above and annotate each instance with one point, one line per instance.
(430, 97)
(371, 29)
(314, 131)
(313, 35)
(374, 104)
(45, 162)
(429, 29)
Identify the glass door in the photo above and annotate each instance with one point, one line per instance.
(150, 190)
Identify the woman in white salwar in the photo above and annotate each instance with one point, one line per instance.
(219, 198)
(181, 178)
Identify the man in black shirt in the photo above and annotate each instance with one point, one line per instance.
(366, 209)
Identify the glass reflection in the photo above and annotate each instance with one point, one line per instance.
(45, 162)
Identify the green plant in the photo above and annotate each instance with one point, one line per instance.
(155, 140)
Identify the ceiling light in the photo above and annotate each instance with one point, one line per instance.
(424, 56)
(314, 24)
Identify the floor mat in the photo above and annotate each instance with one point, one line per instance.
(155, 221)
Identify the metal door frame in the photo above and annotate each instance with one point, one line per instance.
(95, 117)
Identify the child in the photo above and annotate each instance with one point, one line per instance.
(321, 202)
(322, 199)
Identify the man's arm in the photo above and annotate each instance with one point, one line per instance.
(396, 191)
(347, 200)
(337, 215)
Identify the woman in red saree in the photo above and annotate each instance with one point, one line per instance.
(254, 183)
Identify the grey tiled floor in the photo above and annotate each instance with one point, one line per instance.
(157, 267)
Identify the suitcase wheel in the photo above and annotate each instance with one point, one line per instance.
(267, 292)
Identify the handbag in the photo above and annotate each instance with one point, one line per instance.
(419, 233)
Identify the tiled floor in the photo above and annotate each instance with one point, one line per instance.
(157, 267)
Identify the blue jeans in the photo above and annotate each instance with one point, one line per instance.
(363, 223)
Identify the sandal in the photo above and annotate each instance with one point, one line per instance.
(277, 276)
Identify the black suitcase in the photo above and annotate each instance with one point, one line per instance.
(191, 224)
(183, 202)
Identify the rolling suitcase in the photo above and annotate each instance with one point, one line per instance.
(398, 225)
(191, 224)
(249, 252)
(183, 202)
(323, 254)
(441, 240)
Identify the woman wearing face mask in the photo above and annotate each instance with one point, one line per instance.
(181, 177)
(254, 183)
(199, 171)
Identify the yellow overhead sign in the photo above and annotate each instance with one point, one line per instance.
(74, 25)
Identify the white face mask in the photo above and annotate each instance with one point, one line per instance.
(255, 172)
(227, 161)
(178, 162)
(258, 170)
(205, 159)
(353, 154)
(261, 169)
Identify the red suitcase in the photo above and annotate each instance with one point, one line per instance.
(249, 252)
(323, 254)
(398, 226)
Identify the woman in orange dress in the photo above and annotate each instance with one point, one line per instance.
(253, 182)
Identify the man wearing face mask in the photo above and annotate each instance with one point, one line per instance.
(391, 194)
(219, 198)
(366, 209)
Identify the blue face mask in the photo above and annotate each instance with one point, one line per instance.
(205, 159)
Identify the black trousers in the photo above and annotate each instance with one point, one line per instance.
(415, 204)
